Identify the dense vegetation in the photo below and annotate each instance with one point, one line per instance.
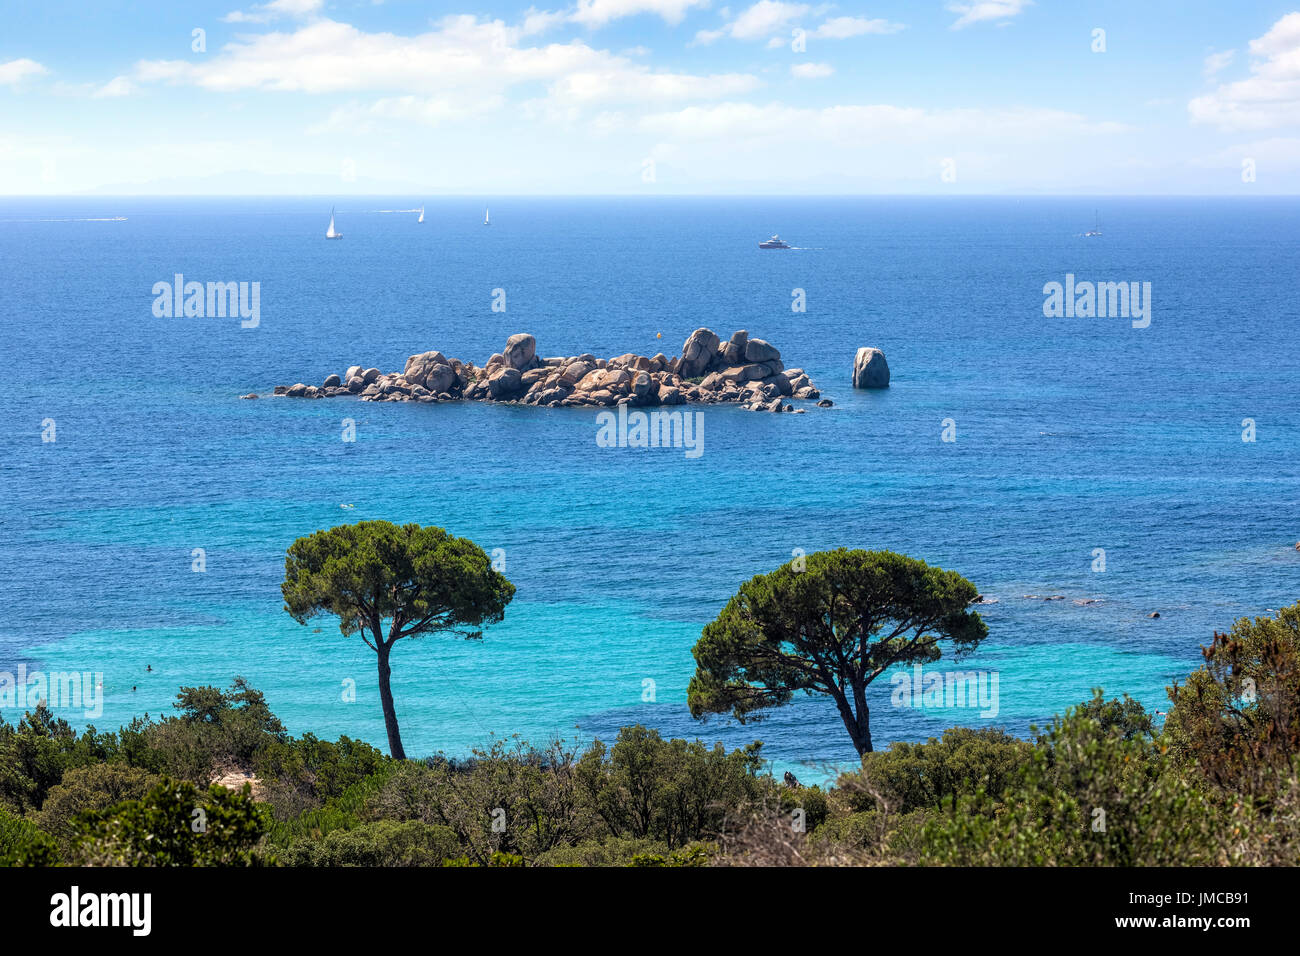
(1218, 784)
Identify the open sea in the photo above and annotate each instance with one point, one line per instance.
(1072, 434)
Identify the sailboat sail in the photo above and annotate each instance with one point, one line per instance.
(331, 233)
(487, 217)
(421, 219)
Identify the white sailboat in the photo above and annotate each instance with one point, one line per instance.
(331, 233)
(421, 219)
(1096, 228)
(487, 217)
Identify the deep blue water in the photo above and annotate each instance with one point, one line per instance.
(1072, 434)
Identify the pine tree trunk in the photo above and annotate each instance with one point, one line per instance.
(857, 724)
(386, 699)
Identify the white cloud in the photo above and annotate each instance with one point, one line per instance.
(1217, 61)
(326, 57)
(982, 10)
(540, 21)
(765, 18)
(758, 22)
(422, 110)
(842, 28)
(734, 121)
(15, 71)
(266, 12)
(811, 71)
(769, 17)
(463, 60)
(624, 85)
(597, 13)
(1270, 96)
(118, 86)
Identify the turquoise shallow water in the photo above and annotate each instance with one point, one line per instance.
(1072, 434)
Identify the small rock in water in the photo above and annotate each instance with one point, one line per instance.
(1154, 614)
(249, 395)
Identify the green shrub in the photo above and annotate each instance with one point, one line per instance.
(695, 855)
(349, 809)
(811, 800)
(676, 791)
(175, 824)
(935, 774)
(35, 754)
(509, 798)
(88, 789)
(1092, 795)
(380, 843)
(25, 844)
(611, 851)
(496, 859)
(216, 730)
(302, 774)
(1236, 722)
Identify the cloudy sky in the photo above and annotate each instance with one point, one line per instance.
(650, 96)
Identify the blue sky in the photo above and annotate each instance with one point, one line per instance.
(651, 96)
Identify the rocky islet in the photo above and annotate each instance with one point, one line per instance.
(740, 370)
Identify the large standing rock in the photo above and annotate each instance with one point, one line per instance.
(757, 350)
(870, 370)
(520, 351)
(698, 352)
(733, 353)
